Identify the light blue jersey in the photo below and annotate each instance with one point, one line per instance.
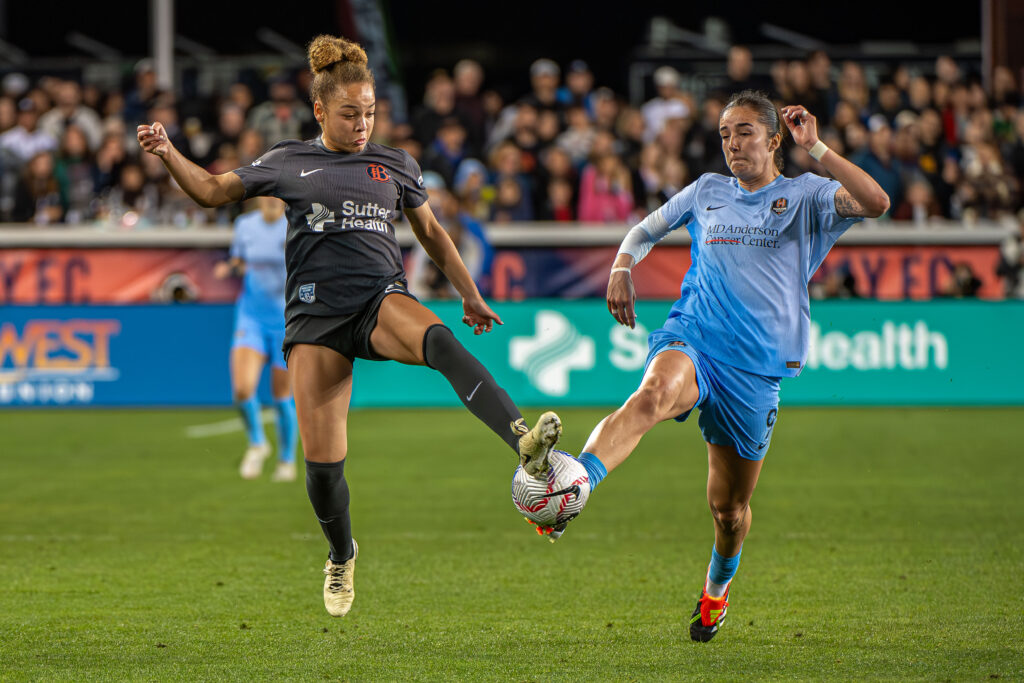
(261, 246)
(744, 299)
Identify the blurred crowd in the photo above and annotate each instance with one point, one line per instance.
(566, 149)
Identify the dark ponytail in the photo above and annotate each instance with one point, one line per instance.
(767, 114)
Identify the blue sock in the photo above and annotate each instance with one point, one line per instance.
(250, 410)
(287, 429)
(596, 470)
(722, 569)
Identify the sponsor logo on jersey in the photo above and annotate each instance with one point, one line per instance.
(378, 172)
(779, 206)
(318, 216)
(419, 181)
(742, 235)
(303, 173)
(257, 162)
(307, 293)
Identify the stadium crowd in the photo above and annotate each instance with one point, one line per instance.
(565, 150)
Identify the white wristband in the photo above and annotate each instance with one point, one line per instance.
(621, 269)
(818, 151)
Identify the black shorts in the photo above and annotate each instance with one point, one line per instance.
(348, 333)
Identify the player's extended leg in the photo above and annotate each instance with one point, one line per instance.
(287, 424)
(668, 389)
(410, 333)
(731, 482)
(323, 388)
(246, 367)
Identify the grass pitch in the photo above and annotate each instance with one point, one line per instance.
(886, 544)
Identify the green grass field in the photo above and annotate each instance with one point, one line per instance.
(886, 544)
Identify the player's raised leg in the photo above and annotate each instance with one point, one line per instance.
(323, 388)
(246, 367)
(410, 333)
(731, 482)
(668, 389)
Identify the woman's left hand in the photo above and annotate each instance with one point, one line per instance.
(802, 125)
(479, 315)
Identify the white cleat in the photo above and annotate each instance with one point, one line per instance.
(252, 461)
(339, 588)
(536, 444)
(285, 471)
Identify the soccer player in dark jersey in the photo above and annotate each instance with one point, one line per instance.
(346, 288)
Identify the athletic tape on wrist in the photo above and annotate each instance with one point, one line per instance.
(621, 269)
(818, 151)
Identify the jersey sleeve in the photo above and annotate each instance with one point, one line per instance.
(413, 192)
(678, 210)
(824, 199)
(260, 177)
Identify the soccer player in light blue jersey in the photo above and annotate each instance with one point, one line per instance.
(741, 322)
(257, 253)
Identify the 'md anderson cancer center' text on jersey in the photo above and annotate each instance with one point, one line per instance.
(341, 247)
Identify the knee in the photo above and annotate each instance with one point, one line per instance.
(242, 394)
(656, 399)
(729, 516)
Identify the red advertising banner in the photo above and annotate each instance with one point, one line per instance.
(112, 276)
(117, 276)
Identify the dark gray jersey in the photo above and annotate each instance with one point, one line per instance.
(341, 248)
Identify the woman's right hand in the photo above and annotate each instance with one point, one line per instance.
(622, 298)
(222, 270)
(153, 139)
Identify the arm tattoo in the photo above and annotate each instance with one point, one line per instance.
(846, 205)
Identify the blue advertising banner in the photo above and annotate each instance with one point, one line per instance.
(548, 353)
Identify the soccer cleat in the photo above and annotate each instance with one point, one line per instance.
(708, 616)
(285, 471)
(252, 461)
(339, 588)
(536, 444)
(553, 532)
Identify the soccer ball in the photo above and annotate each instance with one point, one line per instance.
(557, 496)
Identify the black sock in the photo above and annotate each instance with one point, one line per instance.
(472, 382)
(328, 492)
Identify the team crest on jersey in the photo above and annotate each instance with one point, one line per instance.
(318, 216)
(779, 206)
(307, 293)
(378, 172)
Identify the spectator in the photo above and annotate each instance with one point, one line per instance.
(474, 193)
(1011, 262)
(669, 103)
(70, 110)
(704, 143)
(544, 77)
(578, 136)
(963, 284)
(513, 199)
(739, 69)
(918, 205)
(468, 78)
(447, 150)
(283, 117)
(559, 201)
(26, 140)
(76, 175)
(919, 94)
(878, 160)
(8, 114)
(140, 99)
(579, 85)
(438, 105)
(37, 196)
(606, 192)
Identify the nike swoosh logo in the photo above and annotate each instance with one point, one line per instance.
(305, 173)
(473, 393)
(714, 208)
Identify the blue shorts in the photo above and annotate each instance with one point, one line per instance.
(737, 408)
(250, 333)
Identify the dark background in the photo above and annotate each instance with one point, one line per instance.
(505, 37)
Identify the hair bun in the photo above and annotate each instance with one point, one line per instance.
(325, 50)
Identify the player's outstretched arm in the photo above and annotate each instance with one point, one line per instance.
(859, 195)
(203, 187)
(439, 246)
